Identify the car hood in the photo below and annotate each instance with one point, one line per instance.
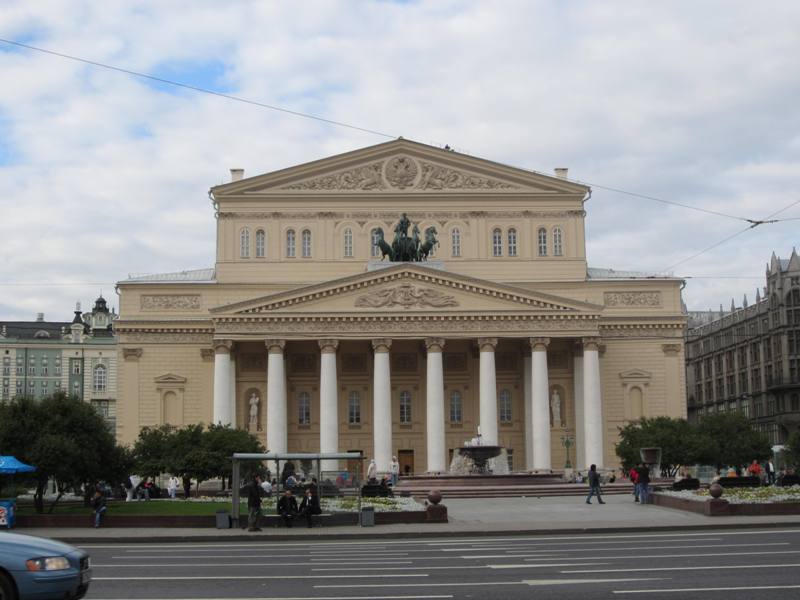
(35, 546)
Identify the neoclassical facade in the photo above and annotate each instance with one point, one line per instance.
(302, 334)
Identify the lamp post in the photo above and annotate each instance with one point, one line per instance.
(567, 441)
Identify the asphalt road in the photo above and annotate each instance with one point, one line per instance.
(744, 564)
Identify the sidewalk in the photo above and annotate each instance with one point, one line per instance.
(468, 517)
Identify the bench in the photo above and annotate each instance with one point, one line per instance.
(788, 480)
(739, 482)
(687, 483)
(376, 490)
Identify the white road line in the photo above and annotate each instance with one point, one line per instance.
(506, 548)
(530, 582)
(545, 582)
(262, 564)
(660, 547)
(710, 589)
(705, 568)
(456, 567)
(208, 577)
(523, 565)
(714, 555)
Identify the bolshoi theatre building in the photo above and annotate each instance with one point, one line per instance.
(398, 300)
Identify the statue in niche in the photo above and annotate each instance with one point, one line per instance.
(254, 402)
(556, 419)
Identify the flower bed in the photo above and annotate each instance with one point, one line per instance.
(763, 501)
(762, 495)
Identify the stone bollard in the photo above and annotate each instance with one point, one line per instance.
(716, 505)
(435, 512)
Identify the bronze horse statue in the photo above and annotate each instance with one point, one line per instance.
(426, 247)
(386, 249)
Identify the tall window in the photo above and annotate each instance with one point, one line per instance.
(558, 244)
(76, 367)
(512, 242)
(542, 241)
(290, 253)
(348, 243)
(354, 408)
(497, 243)
(376, 251)
(244, 243)
(505, 406)
(455, 242)
(304, 408)
(306, 243)
(456, 412)
(260, 243)
(405, 407)
(99, 378)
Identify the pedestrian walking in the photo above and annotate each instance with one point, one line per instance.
(643, 476)
(254, 493)
(172, 487)
(99, 506)
(634, 476)
(594, 485)
(769, 467)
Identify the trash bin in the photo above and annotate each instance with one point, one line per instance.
(7, 513)
(223, 519)
(368, 516)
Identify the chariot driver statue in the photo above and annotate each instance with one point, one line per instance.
(401, 229)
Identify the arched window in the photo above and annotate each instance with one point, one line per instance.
(542, 241)
(405, 407)
(455, 242)
(505, 406)
(244, 243)
(304, 408)
(456, 407)
(558, 243)
(260, 243)
(375, 238)
(354, 408)
(348, 243)
(497, 243)
(306, 243)
(512, 242)
(290, 253)
(99, 378)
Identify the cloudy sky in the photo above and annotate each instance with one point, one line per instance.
(104, 174)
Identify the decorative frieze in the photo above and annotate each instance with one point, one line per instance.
(671, 349)
(161, 337)
(407, 296)
(165, 302)
(635, 299)
(438, 177)
(207, 354)
(131, 354)
(366, 177)
(363, 217)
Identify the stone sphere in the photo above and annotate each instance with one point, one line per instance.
(434, 496)
(715, 490)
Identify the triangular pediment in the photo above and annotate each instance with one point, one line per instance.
(400, 166)
(636, 375)
(169, 378)
(408, 288)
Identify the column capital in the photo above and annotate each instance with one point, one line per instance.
(487, 344)
(539, 344)
(131, 354)
(381, 344)
(591, 343)
(223, 346)
(275, 346)
(434, 344)
(328, 346)
(671, 349)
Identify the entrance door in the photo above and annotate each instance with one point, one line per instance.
(406, 460)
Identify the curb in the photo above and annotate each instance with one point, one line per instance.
(173, 539)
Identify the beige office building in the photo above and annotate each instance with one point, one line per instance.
(302, 334)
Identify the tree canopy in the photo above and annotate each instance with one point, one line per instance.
(675, 437)
(792, 451)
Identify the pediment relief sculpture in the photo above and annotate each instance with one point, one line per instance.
(401, 172)
(407, 296)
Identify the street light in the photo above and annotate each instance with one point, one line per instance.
(567, 441)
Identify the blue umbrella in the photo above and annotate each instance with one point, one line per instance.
(10, 465)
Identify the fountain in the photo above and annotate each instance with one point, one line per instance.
(476, 458)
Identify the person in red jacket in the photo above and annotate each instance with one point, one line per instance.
(634, 477)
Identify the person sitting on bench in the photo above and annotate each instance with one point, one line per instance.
(287, 507)
(310, 506)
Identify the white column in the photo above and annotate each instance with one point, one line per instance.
(382, 405)
(592, 403)
(435, 406)
(580, 438)
(488, 391)
(222, 385)
(232, 406)
(328, 403)
(540, 404)
(276, 397)
(526, 377)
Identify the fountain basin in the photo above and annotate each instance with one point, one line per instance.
(480, 455)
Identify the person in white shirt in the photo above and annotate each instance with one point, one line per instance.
(372, 471)
(172, 486)
(394, 470)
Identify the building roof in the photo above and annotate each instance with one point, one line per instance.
(596, 273)
(32, 330)
(192, 276)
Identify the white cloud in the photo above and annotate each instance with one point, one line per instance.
(102, 174)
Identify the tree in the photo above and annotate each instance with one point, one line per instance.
(65, 439)
(222, 441)
(152, 449)
(728, 439)
(676, 438)
(791, 453)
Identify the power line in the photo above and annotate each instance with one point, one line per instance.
(199, 89)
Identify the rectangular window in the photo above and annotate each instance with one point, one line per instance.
(44, 370)
(505, 406)
(57, 370)
(19, 370)
(354, 408)
(6, 371)
(456, 407)
(76, 367)
(31, 370)
(58, 385)
(405, 407)
(304, 408)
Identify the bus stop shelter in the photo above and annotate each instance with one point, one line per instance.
(318, 459)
